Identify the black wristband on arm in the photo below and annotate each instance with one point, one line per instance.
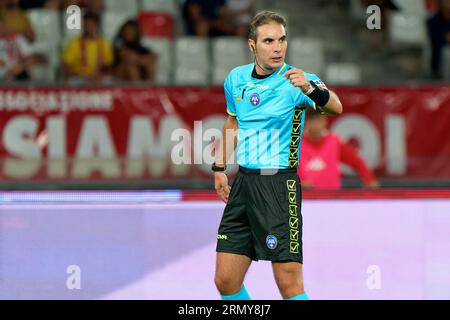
(319, 96)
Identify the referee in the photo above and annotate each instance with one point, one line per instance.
(266, 102)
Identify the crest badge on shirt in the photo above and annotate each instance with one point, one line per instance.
(255, 99)
(271, 242)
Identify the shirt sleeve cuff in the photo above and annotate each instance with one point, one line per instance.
(231, 113)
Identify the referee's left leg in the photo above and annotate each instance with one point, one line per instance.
(289, 279)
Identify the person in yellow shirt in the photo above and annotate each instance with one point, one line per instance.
(88, 56)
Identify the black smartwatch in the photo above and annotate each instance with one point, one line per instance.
(218, 169)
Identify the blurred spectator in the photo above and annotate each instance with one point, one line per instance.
(40, 4)
(16, 56)
(322, 152)
(133, 62)
(439, 33)
(89, 56)
(241, 13)
(15, 20)
(207, 18)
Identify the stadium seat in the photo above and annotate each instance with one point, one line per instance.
(130, 7)
(167, 6)
(228, 52)
(342, 74)
(400, 30)
(163, 48)
(413, 7)
(112, 21)
(46, 25)
(307, 54)
(192, 61)
(156, 24)
(43, 73)
(46, 72)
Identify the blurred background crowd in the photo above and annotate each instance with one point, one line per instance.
(166, 61)
(170, 42)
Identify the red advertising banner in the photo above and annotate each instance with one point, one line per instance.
(109, 133)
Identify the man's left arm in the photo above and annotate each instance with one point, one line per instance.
(334, 105)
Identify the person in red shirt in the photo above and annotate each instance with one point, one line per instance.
(323, 151)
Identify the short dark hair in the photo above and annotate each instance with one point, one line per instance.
(131, 23)
(91, 15)
(264, 17)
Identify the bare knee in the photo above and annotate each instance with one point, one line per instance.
(289, 280)
(230, 272)
(226, 285)
(290, 287)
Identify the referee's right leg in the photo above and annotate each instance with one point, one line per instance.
(230, 273)
(235, 249)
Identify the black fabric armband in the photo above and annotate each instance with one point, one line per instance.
(319, 96)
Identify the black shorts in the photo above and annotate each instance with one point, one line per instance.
(262, 218)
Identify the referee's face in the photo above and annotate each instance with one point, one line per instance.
(270, 46)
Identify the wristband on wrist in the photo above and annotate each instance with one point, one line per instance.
(311, 89)
(318, 95)
(218, 169)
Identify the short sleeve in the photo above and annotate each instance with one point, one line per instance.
(228, 88)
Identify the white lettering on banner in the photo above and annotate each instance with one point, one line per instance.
(395, 142)
(360, 127)
(146, 146)
(19, 141)
(56, 151)
(95, 150)
(149, 149)
(56, 101)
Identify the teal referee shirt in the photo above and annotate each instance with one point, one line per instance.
(271, 114)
